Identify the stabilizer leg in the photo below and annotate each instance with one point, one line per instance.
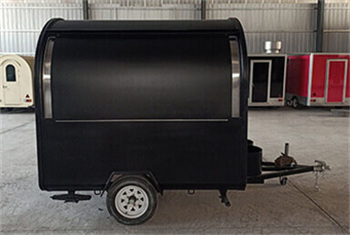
(224, 198)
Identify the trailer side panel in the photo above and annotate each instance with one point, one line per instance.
(298, 75)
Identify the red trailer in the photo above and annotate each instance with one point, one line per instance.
(318, 79)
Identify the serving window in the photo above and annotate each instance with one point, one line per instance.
(142, 77)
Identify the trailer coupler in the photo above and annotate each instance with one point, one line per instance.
(71, 197)
(223, 196)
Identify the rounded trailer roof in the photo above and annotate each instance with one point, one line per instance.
(21, 60)
(28, 59)
(60, 25)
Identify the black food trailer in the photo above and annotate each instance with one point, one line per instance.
(267, 79)
(134, 108)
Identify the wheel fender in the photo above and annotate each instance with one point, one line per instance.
(146, 174)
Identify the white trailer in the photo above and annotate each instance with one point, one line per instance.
(16, 81)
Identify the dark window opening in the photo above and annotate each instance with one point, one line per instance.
(10, 73)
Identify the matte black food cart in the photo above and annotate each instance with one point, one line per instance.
(134, 108)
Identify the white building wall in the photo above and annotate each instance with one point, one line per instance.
(291, 21)
(21, 23)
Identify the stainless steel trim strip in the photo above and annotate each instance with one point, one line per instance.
(284, 79)
(147, 120)
(269, 81)
(46, 78)
(311, 66)
(250, 82)
(236, 81)
(345, 79)
(267, 55)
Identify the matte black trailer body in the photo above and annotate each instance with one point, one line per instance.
(164, 97)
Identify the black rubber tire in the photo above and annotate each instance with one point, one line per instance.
(141, 182)
(295, 103)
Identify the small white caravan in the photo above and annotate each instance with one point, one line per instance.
(16, 81)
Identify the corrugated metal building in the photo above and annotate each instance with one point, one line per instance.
(294, 22)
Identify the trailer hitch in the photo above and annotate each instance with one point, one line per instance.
(321, 166)
(286, 165)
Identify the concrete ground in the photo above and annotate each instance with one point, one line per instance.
(269, 208)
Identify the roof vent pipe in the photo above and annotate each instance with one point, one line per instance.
(273, 47)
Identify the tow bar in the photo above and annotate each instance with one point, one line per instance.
(282, 171)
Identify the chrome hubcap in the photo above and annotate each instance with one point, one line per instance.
(131, 201)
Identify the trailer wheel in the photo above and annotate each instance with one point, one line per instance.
(283, 181)
(295, 103)
(132, 200)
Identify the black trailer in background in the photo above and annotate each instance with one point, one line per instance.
(267, 78)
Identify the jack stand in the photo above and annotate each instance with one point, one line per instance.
(321, 167)
(224, 198)
(316, 181)
(71, 197)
